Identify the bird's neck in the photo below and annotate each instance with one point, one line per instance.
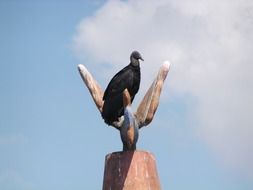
(135, 62)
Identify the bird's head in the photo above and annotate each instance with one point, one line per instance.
(134, 58)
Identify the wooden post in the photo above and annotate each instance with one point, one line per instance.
(130, 170)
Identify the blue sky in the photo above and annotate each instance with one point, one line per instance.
(51, 134)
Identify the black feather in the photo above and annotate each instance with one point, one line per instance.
(129, 77)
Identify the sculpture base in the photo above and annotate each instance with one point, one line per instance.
(130, 170)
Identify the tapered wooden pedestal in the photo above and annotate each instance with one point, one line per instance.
(130, 170)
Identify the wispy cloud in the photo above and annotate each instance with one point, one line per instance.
(210, 46)
(12, 139)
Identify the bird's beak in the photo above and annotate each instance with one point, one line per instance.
(141, 59)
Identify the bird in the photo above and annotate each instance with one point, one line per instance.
(128, 78)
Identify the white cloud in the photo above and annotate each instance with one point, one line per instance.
(210, 46)
(11, 179)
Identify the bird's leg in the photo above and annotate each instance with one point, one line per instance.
(93, 86)
(149, 103)
(129, 130)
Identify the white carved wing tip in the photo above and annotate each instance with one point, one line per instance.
(166, 65)
(82, 68)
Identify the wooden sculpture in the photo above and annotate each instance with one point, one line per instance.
(131, 122)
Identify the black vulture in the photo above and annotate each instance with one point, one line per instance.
(129, 77)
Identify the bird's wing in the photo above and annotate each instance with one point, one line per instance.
(122, 80)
